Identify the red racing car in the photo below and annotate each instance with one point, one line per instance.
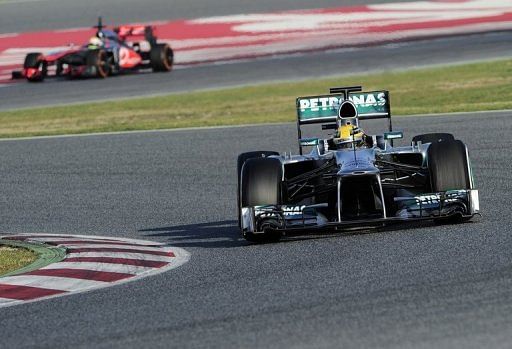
(125, 48)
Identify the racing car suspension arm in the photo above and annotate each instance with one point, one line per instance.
(306, 176)
(297, 196)
(395, 181)
(400, 166)
(300, 187)
(399, 185)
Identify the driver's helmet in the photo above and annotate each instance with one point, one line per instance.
(348, 133)
(95, 42)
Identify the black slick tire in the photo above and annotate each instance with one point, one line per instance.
(35, 60)
(261, 180)
(242, 158)
(448, 166)
(97, 63)
(161, 58)
(449, 170)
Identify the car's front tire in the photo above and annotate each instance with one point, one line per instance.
(98, 63)
(242, 158)
(261, 181)
(449, 169)
(35, 60)
(448, 165)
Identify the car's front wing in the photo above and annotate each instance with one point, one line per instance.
(302, 219)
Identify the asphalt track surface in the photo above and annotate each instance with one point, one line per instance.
(421, 286)
(290, 67)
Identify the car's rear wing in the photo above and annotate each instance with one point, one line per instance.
(128, 31)
(324, 108)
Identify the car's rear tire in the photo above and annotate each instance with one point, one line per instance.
(433, 137)
(161, 58)
(261, 181)
(98, 63)
(449, 170)
(242, 158)
(35, 60)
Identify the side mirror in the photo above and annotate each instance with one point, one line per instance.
(393, 135)
(309, 142)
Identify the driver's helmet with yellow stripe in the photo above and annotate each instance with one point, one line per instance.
(348, 131)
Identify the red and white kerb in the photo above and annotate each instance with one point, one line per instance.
(91, 262)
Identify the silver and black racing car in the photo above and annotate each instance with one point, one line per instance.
(350, 179)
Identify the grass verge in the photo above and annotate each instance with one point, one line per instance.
(469, 87)
(13, 258)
